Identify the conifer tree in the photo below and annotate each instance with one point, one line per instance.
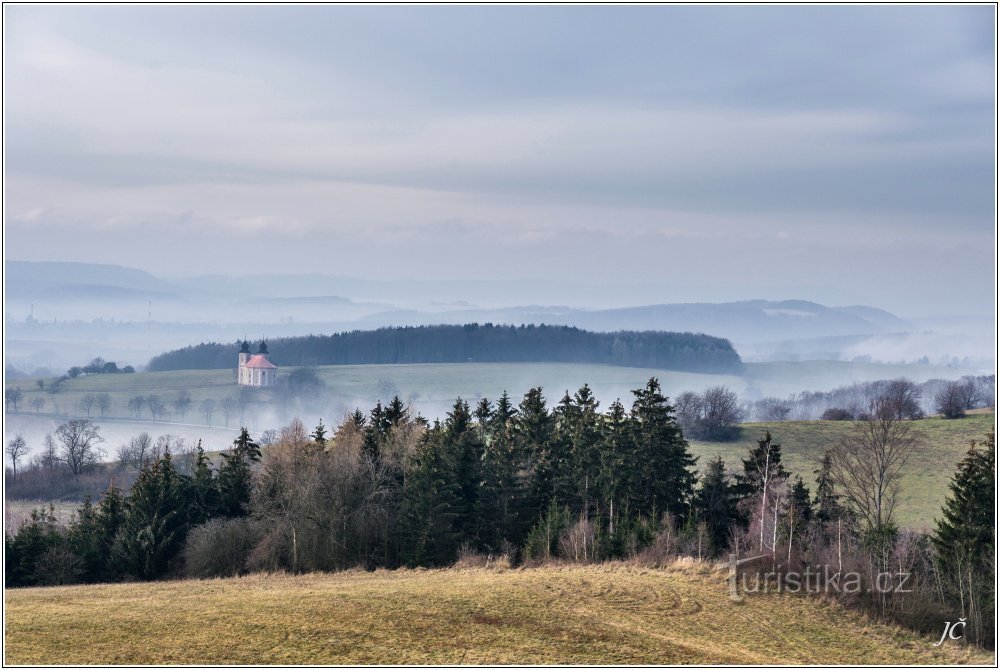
(715, 504)
(500, 508)
(534, 430)
(155, 521)
(663, 473)
(431, 504)
(827, 505)
(235, 479)
(319, 435)
(965, 538)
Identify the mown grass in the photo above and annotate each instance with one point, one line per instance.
(582, 615)
(925, 477)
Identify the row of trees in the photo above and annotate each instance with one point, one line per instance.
(527, 482)
(478, 343)
(949, 398)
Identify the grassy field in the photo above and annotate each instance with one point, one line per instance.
(435, 386)
(573, 615)
(925, 477)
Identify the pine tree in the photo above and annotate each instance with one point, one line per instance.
(827, 504)
(235, 479)
(534, 431)
(319, 435)
(715, 504)
(431, 504)
(500, 508)
(663, 470)
(155, 521)
(965, 538)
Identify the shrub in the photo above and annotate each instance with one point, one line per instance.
(837, 414)
(221, 547)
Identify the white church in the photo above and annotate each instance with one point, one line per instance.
(255, 370)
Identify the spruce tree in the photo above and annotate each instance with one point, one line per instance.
(155, 521)
(663, 469)
(431, 505)
(715, 504)
(235, 479)
(965, 539)
(319, 435)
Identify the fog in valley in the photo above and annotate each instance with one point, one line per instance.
(315, 170)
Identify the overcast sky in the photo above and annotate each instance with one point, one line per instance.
(841, 154)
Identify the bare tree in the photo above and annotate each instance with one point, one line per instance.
(79, 439)
(903, 397)
(16, 448)
(137, 452)
(11, 396)
(156, 406)
(688, 410)
(720, 413)
(103, 402)
(37, 403)
(207, 408)
(228, 405)
(865, 465)
(136, 404)
(950, 400)
(87, 403)
(49, 457)
(182, 403)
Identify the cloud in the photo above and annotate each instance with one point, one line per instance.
(564, 137)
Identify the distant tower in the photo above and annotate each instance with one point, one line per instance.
(244, 356)
(255, 370)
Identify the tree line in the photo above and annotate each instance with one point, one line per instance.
(524, 482)
(486, 343)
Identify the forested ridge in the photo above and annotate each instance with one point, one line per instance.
(486, 343)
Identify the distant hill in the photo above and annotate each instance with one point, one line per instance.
(477, 343)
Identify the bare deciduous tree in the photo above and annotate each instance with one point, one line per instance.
(865, 465)
(12, 396)
(182, 403)
(950, 400)
(79, 439)
(17, 447)
(37, 403)
(87, 403)
(136, 405)
(207, 408)
(103, 402)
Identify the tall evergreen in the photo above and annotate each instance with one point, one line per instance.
(965, 539)
(432, 502)
(826, 504)
(534, 430)
(501, 507)
(155, 521)
(235, 479)
(663, 469)
(715, 504)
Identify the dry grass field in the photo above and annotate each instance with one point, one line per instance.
(604, 614)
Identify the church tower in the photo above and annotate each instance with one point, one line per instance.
(244, 356)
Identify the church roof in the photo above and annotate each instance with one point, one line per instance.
(260, 362)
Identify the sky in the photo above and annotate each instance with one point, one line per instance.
(839, 154)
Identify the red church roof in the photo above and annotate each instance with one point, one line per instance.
(260, 362)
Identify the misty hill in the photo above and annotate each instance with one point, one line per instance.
(745, 322)
(477, 343)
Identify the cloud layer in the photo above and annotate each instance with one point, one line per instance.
(841, 147)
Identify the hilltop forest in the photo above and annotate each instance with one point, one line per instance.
(486, 343)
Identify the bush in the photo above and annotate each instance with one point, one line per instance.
(837, 414)
(221, 547)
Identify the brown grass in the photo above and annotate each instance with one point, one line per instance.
(603, 614)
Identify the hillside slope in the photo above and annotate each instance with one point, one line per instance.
(581, 615)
